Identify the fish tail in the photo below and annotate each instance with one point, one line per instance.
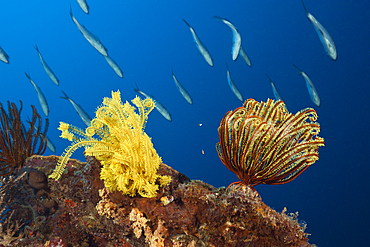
(29, 78)
(269, 77)
(218, 18)
(70, 10)
(304, 6)
(173, 75)
(65, 95)
(186, 23)
(297, 67)
(37, 49)
(137, 88)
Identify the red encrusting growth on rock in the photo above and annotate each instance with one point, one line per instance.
(87, 214)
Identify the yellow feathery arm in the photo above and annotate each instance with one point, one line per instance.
(58, 171)
(129, 161)
(69, 131)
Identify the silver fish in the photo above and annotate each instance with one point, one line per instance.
(137, 90)
(245, 57)
(276, 93)
(91, 38)
(310, 87)
(160, 108)
(114, 66)
(325, 38)
(3, 56)
(47, 68)
(201, 47)
(84, 6)
(81, 112)
(232, 85)
(49, 144)
(237, 38)
(41, 96)
(274, 90)
(182, 90)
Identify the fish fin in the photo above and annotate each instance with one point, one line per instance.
(65, 95)
(297, 68)
(270, 78)
(227, 67)
(37, 49)
(93, 34)
(187, 23)
(304, 6)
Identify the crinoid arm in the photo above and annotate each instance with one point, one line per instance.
(63, 160)
(262, 143)
(16, 142)
(117, 139)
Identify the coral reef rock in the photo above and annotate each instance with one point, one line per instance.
(82, 212)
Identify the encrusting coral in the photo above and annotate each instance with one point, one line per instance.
(199, 215)
(153, 239)
(117, 139)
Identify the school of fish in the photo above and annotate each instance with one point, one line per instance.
(236, 50)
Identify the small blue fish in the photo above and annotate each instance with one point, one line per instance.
(137, 90)
(3, 56)
(90, 37)
(81, 112)
(232, 85)
(245, 57)
(310, 87)
(84, 6)
(47, 68)
(161, 109)
(49, 144)
(325, 38)
(158, 106)
(274, 90)
(237, 38)
(201, 47)
(114, 66)
(182, 90)
(41, 96)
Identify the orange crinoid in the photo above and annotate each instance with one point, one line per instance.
(262, 143)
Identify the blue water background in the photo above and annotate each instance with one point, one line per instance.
(148, 38)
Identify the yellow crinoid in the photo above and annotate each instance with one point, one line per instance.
(117, 139)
